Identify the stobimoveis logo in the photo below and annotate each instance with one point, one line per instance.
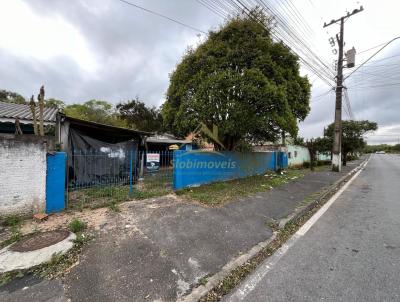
(189, 163)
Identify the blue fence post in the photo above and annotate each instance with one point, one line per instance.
(131, 173)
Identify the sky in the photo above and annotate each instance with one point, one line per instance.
(108, 50)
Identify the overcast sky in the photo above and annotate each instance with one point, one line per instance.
(106, 49)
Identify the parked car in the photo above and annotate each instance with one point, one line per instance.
(380, 152)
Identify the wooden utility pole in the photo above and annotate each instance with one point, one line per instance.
(337, 142)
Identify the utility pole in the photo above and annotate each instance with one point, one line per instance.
(337, 141)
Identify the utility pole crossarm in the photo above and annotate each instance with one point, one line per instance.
(345, 17)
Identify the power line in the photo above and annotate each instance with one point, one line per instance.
(374, 86)
(163, 16)
(380, 49)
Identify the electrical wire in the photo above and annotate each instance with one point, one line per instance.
(163, 16)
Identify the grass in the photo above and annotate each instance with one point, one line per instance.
(151, 185)
(58, 264)
(76, 225)
(221, 192)
(12, 221)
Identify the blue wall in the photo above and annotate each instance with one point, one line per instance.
(55, 182)
(193, 168)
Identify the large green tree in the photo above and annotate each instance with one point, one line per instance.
(95, 111)
(11, 97)
(139, 116)
(241, 81)
(352, 136)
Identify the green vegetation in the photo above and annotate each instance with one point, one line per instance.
(203, 280)
(352, 137)
(220, 192)
(152, 185)
(7, 277)
(12, 220)
(138, 116)
(11, 97)
(59, 263)
(382, 147)
(238, 74)
(76, 225)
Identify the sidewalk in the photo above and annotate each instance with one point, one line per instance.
(157, 250)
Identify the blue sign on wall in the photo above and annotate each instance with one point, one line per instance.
(55, 182)
(193, 168)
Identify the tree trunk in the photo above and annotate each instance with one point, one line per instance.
(344, 158)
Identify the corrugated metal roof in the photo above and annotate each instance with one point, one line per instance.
(23, 112)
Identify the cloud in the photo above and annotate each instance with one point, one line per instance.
(111, 51)
(132, 52)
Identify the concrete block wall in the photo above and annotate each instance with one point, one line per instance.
(22, 175)
(297, 155)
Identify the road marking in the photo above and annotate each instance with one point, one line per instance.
(253, 280)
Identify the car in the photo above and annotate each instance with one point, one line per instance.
(380, 152)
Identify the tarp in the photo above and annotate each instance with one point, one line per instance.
(94, 162)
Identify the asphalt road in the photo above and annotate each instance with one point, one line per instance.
(352, 253)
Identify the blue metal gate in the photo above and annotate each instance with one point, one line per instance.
(55, 182)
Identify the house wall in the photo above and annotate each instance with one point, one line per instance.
(23, 175)
(297, 155)
(324, 156)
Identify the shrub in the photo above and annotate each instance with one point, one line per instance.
(12, 221)
(306, 164)
(76, 225)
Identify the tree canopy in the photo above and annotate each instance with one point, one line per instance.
(11, 97)
(352, 135)
(241, 81)
(95, 111)
(139, 116)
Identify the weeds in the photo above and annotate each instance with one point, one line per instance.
(114, 207)
(7, 277)
(221, 192)
(12, 221)
(76, 225)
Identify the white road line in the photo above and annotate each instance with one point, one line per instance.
(252, 281)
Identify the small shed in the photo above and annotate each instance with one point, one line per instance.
(98, 153)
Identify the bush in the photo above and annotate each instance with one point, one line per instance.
(323, 162)
(76, 225)
(351, 157)
(306, 164)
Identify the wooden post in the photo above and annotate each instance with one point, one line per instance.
(33, 110)
(41, 109)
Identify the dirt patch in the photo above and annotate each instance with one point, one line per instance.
(94, 219)
(39, 241)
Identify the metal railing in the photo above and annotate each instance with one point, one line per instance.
(99, 178)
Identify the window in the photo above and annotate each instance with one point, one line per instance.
(295, 153)
(289, 154)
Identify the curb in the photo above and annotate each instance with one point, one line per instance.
(301, 211)
(213, 281)
(197, 293)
